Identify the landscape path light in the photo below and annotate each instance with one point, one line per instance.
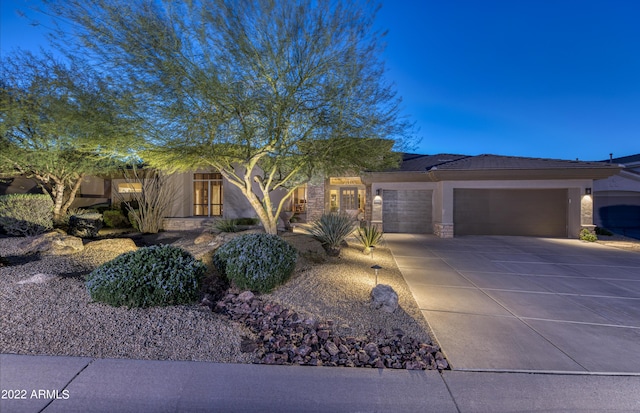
(376, 268)
(372, 248)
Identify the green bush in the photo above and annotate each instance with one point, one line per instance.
(369, 236)
(258, 262)
(332, 230)
(114, 218)
(132, 216)
(247, 221)
(586, 235)
(151, 276)
(26, 214)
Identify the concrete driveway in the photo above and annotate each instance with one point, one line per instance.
(526, 304)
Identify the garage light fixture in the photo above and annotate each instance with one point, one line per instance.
(378, 192)
(587, 191)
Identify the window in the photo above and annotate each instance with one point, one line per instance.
(129, 187)
(299, 199)
(207, 194)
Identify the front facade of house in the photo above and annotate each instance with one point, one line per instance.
(446, 195)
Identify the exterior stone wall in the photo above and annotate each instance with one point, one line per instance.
(443, 230)
(185, 224)
(315, 200)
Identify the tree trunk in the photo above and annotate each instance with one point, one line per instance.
(58, 200)
(72, 195)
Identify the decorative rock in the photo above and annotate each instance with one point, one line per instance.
(384, 297)
(331, 348)
(205, 237)
(85, 225)
(120, 245)
(53, 243)
(38, 279)
(283, 336)
(246, 296)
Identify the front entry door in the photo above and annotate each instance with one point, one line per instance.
(348, 199)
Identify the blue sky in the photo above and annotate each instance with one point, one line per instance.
(540, 78)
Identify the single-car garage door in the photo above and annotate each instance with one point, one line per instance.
(530, 212)
(406, 211)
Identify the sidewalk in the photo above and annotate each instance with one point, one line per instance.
(119, 385)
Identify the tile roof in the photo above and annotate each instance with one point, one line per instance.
(624, 159)
(449, 162)
(415, 162)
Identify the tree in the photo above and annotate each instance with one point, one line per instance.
(267, 92)
(53, 118)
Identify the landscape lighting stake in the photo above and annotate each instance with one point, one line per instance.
(376, 268)
(372, 248)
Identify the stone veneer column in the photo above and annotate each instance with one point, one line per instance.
(443, 230)
(586, 213)
(367, 205)
(315, 200)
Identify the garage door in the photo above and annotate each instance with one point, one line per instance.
(530, 212)
(406, 211)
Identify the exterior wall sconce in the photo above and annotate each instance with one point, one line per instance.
(378, 192)
(587, 191)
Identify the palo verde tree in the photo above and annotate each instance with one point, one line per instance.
(267, 92)
(53, 119)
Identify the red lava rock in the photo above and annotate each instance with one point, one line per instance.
(286, 337)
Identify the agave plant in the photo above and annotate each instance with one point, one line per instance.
(369, 236)
(331, 230)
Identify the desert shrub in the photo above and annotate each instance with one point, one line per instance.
(332, 230)
(603, 231)
(225, 225)
(369, 236)
(114, 218)
(247, 221)
(86, 225)
(150, 276)
(26, 214)
(586, 235)
(258, 262)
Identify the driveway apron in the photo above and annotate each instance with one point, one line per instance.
(526, 304)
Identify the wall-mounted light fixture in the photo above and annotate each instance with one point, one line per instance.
(378, 192)
(587, 191)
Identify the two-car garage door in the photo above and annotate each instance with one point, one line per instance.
(530, 212)
(526, 212)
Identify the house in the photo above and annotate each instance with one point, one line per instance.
(616, 201)
(445, 194)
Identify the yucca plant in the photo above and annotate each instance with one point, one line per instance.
(331, 230)
(369, 236)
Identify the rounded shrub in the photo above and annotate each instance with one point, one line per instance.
(258, 262)
(114, 218)
(26, 214)
(150, 276)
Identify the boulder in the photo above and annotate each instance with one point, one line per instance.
(205, 237)
(53, 243)
(85, 225)
(119, 245)
(384, 297)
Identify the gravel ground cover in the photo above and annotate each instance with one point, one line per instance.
(45, 309)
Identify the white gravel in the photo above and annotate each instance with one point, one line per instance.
(56, 316)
